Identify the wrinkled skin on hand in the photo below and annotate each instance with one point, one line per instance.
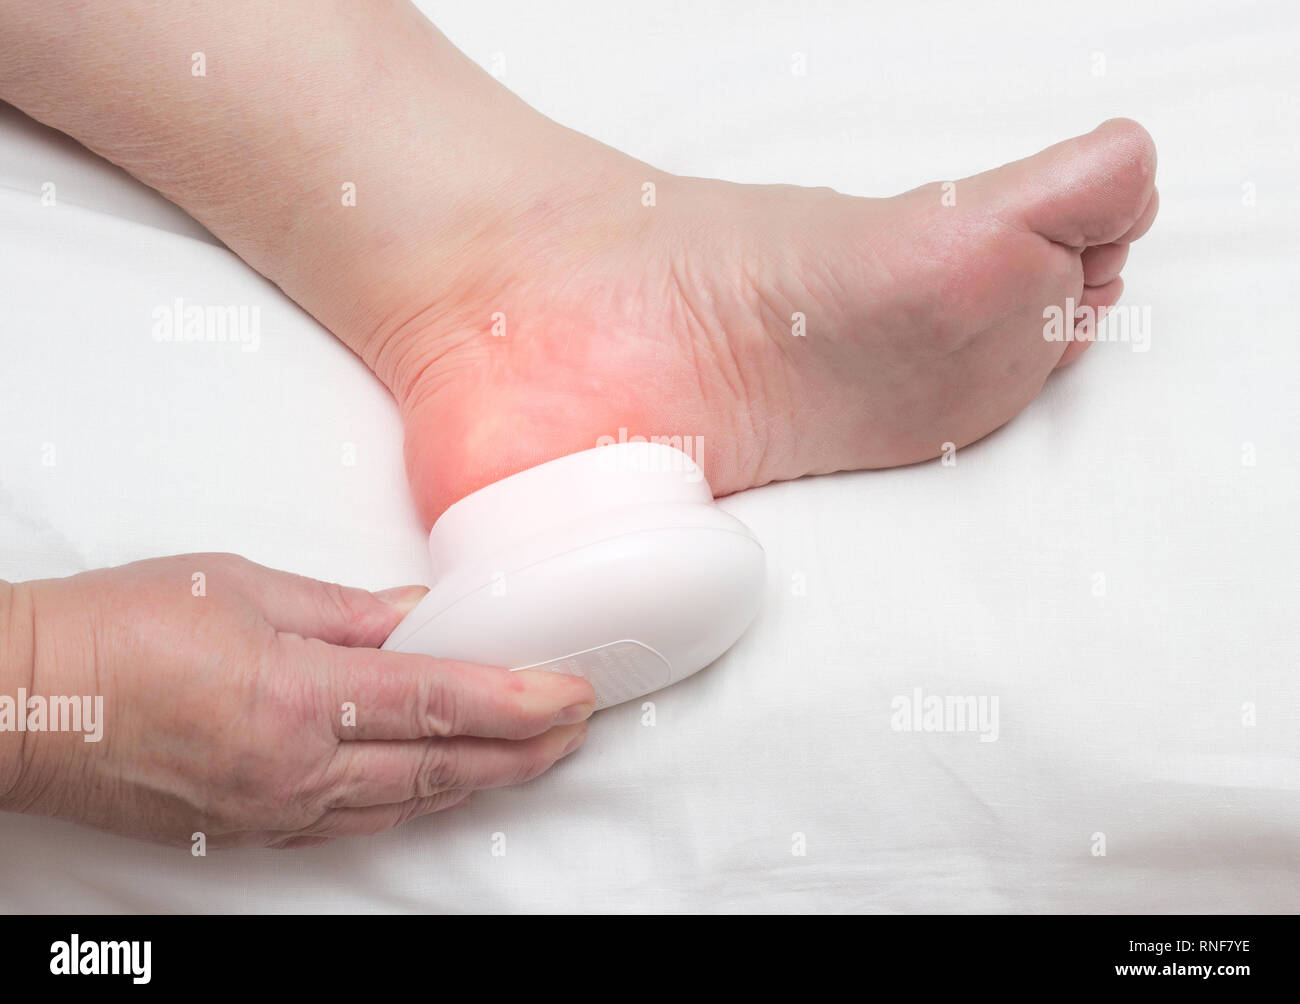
(251, 706)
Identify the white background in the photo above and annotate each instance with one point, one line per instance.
(1120, 714)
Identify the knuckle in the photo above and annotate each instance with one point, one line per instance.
(440, 768)
(340, 602)
(416, 808)
(440, 711)
(222, 560)
(232, 569)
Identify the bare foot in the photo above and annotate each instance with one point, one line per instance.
(526, 291)
(922, 320)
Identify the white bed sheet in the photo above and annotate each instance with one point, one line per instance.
(1121, 714)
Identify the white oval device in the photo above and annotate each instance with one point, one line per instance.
(613, 564)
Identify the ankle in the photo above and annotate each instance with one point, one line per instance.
(457, 287)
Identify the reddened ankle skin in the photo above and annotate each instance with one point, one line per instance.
(794, 331)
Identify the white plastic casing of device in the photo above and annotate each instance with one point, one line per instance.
(614, 564)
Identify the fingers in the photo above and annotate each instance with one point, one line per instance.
(398, 695)
(373, 819)
(385, 773)
(340, 615)
(418, 778)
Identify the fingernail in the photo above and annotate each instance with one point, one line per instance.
(404, 598)
(574, 743)
(574, 714)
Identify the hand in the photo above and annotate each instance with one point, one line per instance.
(248, 705)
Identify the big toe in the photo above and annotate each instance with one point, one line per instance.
(1094, 189)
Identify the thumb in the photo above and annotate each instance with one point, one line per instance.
(339, 615)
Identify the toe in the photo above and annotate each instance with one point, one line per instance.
(1089, 190)
(1102, 298)
(1098, 300)
(1073, 350)
(1102, 263)
(1144, 220)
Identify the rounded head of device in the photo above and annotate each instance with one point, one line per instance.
(613, 564)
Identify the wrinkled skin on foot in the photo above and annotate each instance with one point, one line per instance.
(794, 331)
